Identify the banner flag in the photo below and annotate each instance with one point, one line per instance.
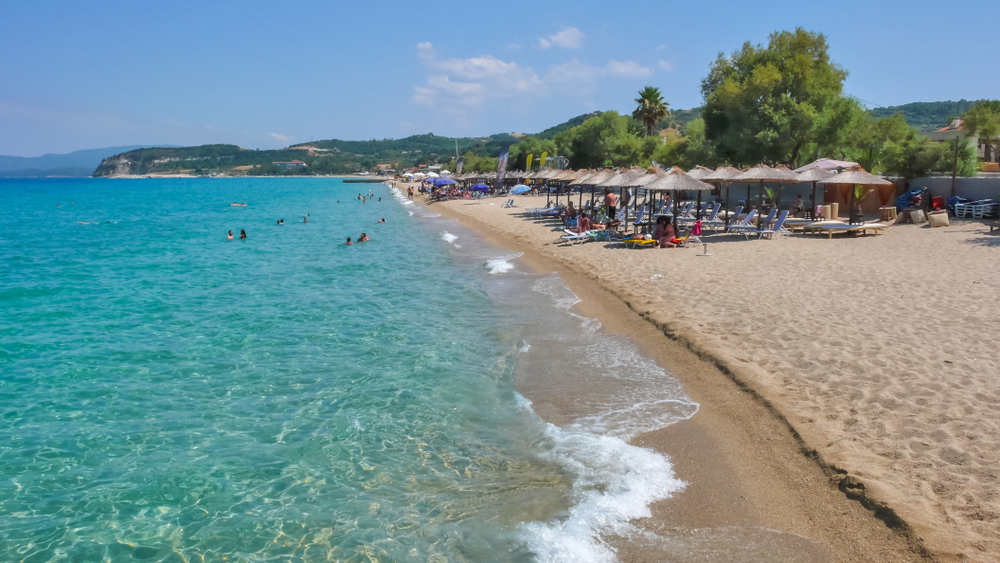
(527, 163)
(458, 167)
(543, 157)
(502, 165)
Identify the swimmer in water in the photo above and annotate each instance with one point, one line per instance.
(230, 236)
(349, 241)
(382, 220)
(363, 238)
(277, 222)
(305, 219)
(243, 233)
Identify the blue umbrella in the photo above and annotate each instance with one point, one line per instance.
(481, 188)
(442, 181)
(520, 189)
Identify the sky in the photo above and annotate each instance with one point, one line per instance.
(79, 75)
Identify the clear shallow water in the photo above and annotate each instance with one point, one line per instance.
(168, 395)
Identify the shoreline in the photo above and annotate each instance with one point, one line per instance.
(745, 464)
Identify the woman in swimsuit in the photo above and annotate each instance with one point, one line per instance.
(243, 233)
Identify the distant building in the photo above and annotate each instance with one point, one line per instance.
(954, 131)
(291, 164)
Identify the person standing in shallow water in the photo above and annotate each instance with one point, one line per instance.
(229, 236)
(349, 240)
(243, 233)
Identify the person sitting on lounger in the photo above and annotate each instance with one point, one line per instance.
(665, 233)
(797, 207)
(569, 213)
(583, 223)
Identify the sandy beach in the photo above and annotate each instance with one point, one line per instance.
(846, 386)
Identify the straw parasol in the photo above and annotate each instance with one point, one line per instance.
(857, 176)
(813, 175)
(699, 172)
(676, 179)
(764, 173)
(723, 174)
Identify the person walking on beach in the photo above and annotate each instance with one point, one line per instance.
(609, 203)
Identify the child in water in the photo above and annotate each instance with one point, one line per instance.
(349, 240)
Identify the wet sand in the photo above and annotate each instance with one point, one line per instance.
(828, 412)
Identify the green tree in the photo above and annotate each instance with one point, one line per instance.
(652, 109)
(866, 137)
(603, 141)
(914, 156)
(770, 104)
(689, 150)
(982, 122)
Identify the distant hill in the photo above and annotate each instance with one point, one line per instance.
(926, 116)
(76, 163)
(551, 132)
(62, 171)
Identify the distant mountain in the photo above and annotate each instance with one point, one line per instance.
(62, 171)
(551, 132)
(69, 164)
(927, 116)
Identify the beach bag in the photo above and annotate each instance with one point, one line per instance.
(696, 230)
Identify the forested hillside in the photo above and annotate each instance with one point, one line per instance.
(926, 116)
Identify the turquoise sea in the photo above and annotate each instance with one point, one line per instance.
(167, 394)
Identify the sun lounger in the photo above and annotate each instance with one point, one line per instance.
(744, 227)
(573, 238)
(779, 227)
(509, 204)
(832, 227)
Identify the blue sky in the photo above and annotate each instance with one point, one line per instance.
(78, 75)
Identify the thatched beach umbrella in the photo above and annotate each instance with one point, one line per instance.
(676, 179)
(724, 174)
(813, 175)
(763, 173)
(857, 176)
(699, 173)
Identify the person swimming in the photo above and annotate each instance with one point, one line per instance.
(363, 238)
(382, 220)
(305, 219)
(243, 233)
(230, 236)
(349, 240)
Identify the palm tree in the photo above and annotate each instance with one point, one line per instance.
(652, 109)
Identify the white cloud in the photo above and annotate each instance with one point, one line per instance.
(471, 82)
(514, 47)
(579, 74)
(568, 38)
(573, 72)
(282, 138)
(661, 47)
(664, 65)
(425, 50)
(628, 69)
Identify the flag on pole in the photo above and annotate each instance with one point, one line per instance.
(527, 163)
(502, 165)
(543, 157)
(458, 167)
